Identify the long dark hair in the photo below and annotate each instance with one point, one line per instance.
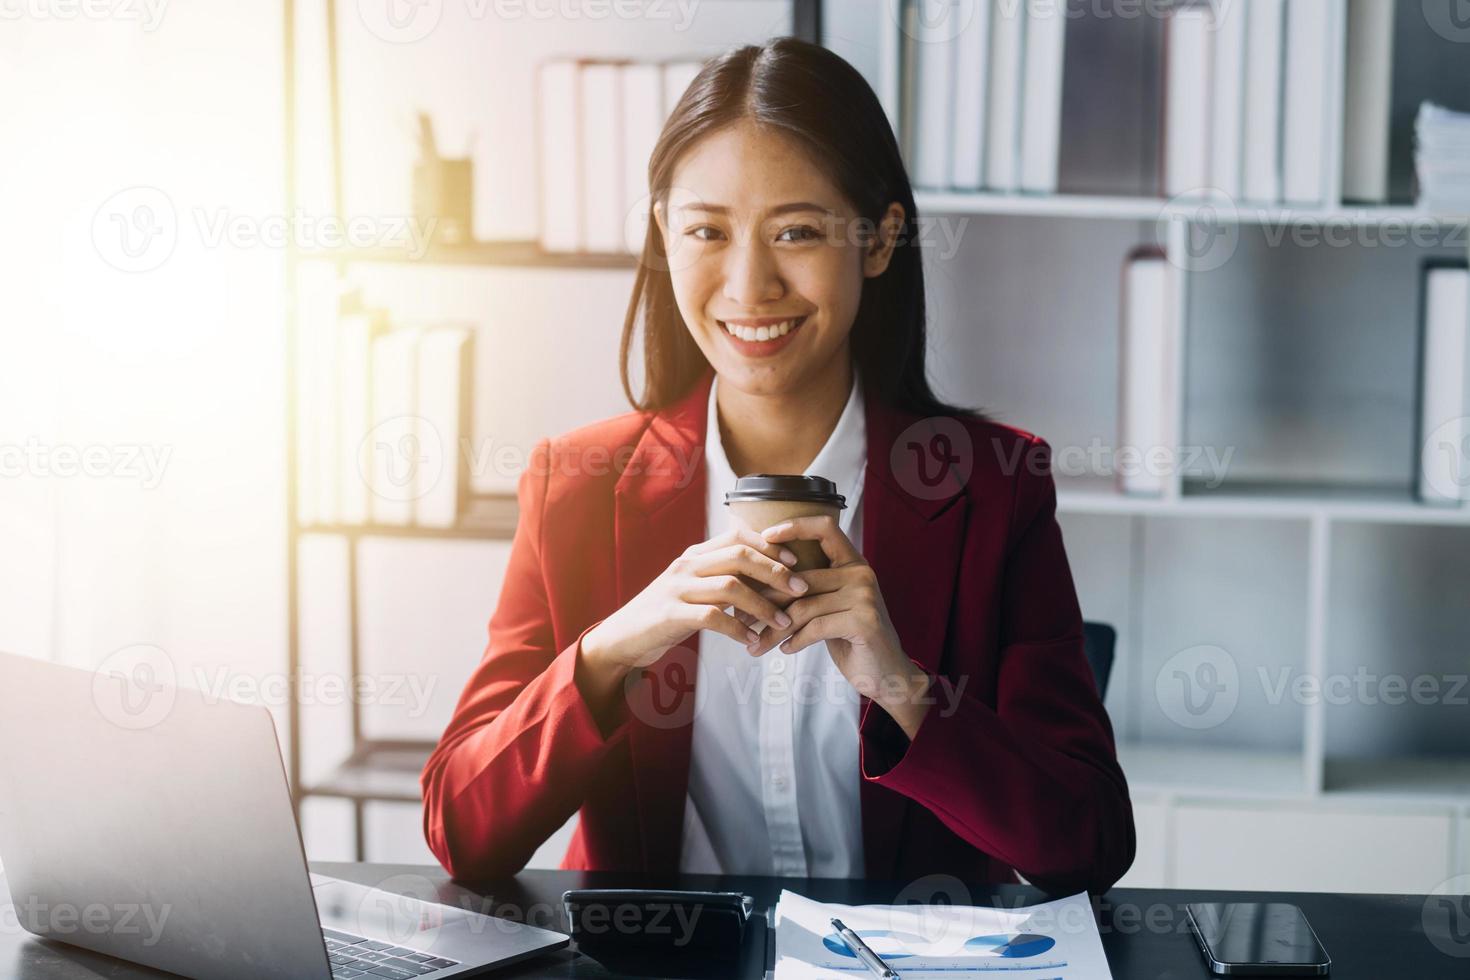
(819, 99)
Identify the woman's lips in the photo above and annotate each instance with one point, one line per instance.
(761, 341)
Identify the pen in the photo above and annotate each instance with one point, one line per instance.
(870, 959)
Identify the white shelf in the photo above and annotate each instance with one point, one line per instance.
(1401, 779)
(1263, 506)
(1156, 208)
(1210, 771)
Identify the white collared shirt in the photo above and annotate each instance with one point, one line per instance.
(773, 770)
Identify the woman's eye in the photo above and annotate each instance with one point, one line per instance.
(695, 232)
(800, 233)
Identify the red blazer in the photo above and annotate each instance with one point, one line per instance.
(1021, 775)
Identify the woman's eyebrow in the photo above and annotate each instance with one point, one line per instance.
(778, 209)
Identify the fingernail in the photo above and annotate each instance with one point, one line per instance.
(786, 646)
(788, 557)
(782, 620)
(798, 584)
(752, 638)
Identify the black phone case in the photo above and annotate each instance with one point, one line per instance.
(657, 923)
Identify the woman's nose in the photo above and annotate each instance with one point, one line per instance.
(752, 276)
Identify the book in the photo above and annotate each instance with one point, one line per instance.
(316, 415)
(602, 158)
(1145, 354)
(1367, 101)
(642, 115)
(933, 101)
(1444, 394)
(1227, 97)
(356, 329)
(1041, 115)
(558, 145)
(1304, 102)
(396, 450)
(908, 85)
(971, 69)
(1265, 32)
(1112, 105)
(443, 390)
(1003, 117)
(1188, 53)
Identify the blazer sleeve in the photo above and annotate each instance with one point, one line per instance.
(508, 770)
(1033, 781)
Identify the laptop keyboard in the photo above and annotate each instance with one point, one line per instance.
(357, 956)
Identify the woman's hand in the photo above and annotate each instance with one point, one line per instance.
(845, 608)
(693, 594)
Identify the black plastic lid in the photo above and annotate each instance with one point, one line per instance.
(770, 486)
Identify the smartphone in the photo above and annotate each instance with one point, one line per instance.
(1257, 939)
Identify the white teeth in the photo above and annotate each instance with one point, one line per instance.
(758, 334)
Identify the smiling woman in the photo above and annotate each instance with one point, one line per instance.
(921, 705)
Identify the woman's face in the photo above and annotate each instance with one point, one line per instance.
(767, 258)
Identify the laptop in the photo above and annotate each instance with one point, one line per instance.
(154, 824)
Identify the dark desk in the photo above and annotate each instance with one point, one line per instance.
(1370, 937)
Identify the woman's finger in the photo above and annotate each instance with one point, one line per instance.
(824, 529)
(702, 616)
(749, 538)
(727, 590)
(802, 612)
(833, 626)
(833, 579)
(744, 560)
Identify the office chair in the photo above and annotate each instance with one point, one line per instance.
(1098, 641)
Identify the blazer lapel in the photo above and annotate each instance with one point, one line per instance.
(913, 536)
(660, 511)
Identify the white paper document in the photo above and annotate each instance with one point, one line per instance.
(1053, 941)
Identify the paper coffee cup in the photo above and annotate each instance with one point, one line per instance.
(759, 501)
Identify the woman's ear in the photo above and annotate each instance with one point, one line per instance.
(880, 250)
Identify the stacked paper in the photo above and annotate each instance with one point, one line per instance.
(1442, 158)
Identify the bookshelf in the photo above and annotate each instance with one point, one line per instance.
(1311, 559)
(383, 770)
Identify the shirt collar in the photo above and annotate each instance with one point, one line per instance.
(842, 459)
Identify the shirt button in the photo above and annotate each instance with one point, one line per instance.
(778, 781)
